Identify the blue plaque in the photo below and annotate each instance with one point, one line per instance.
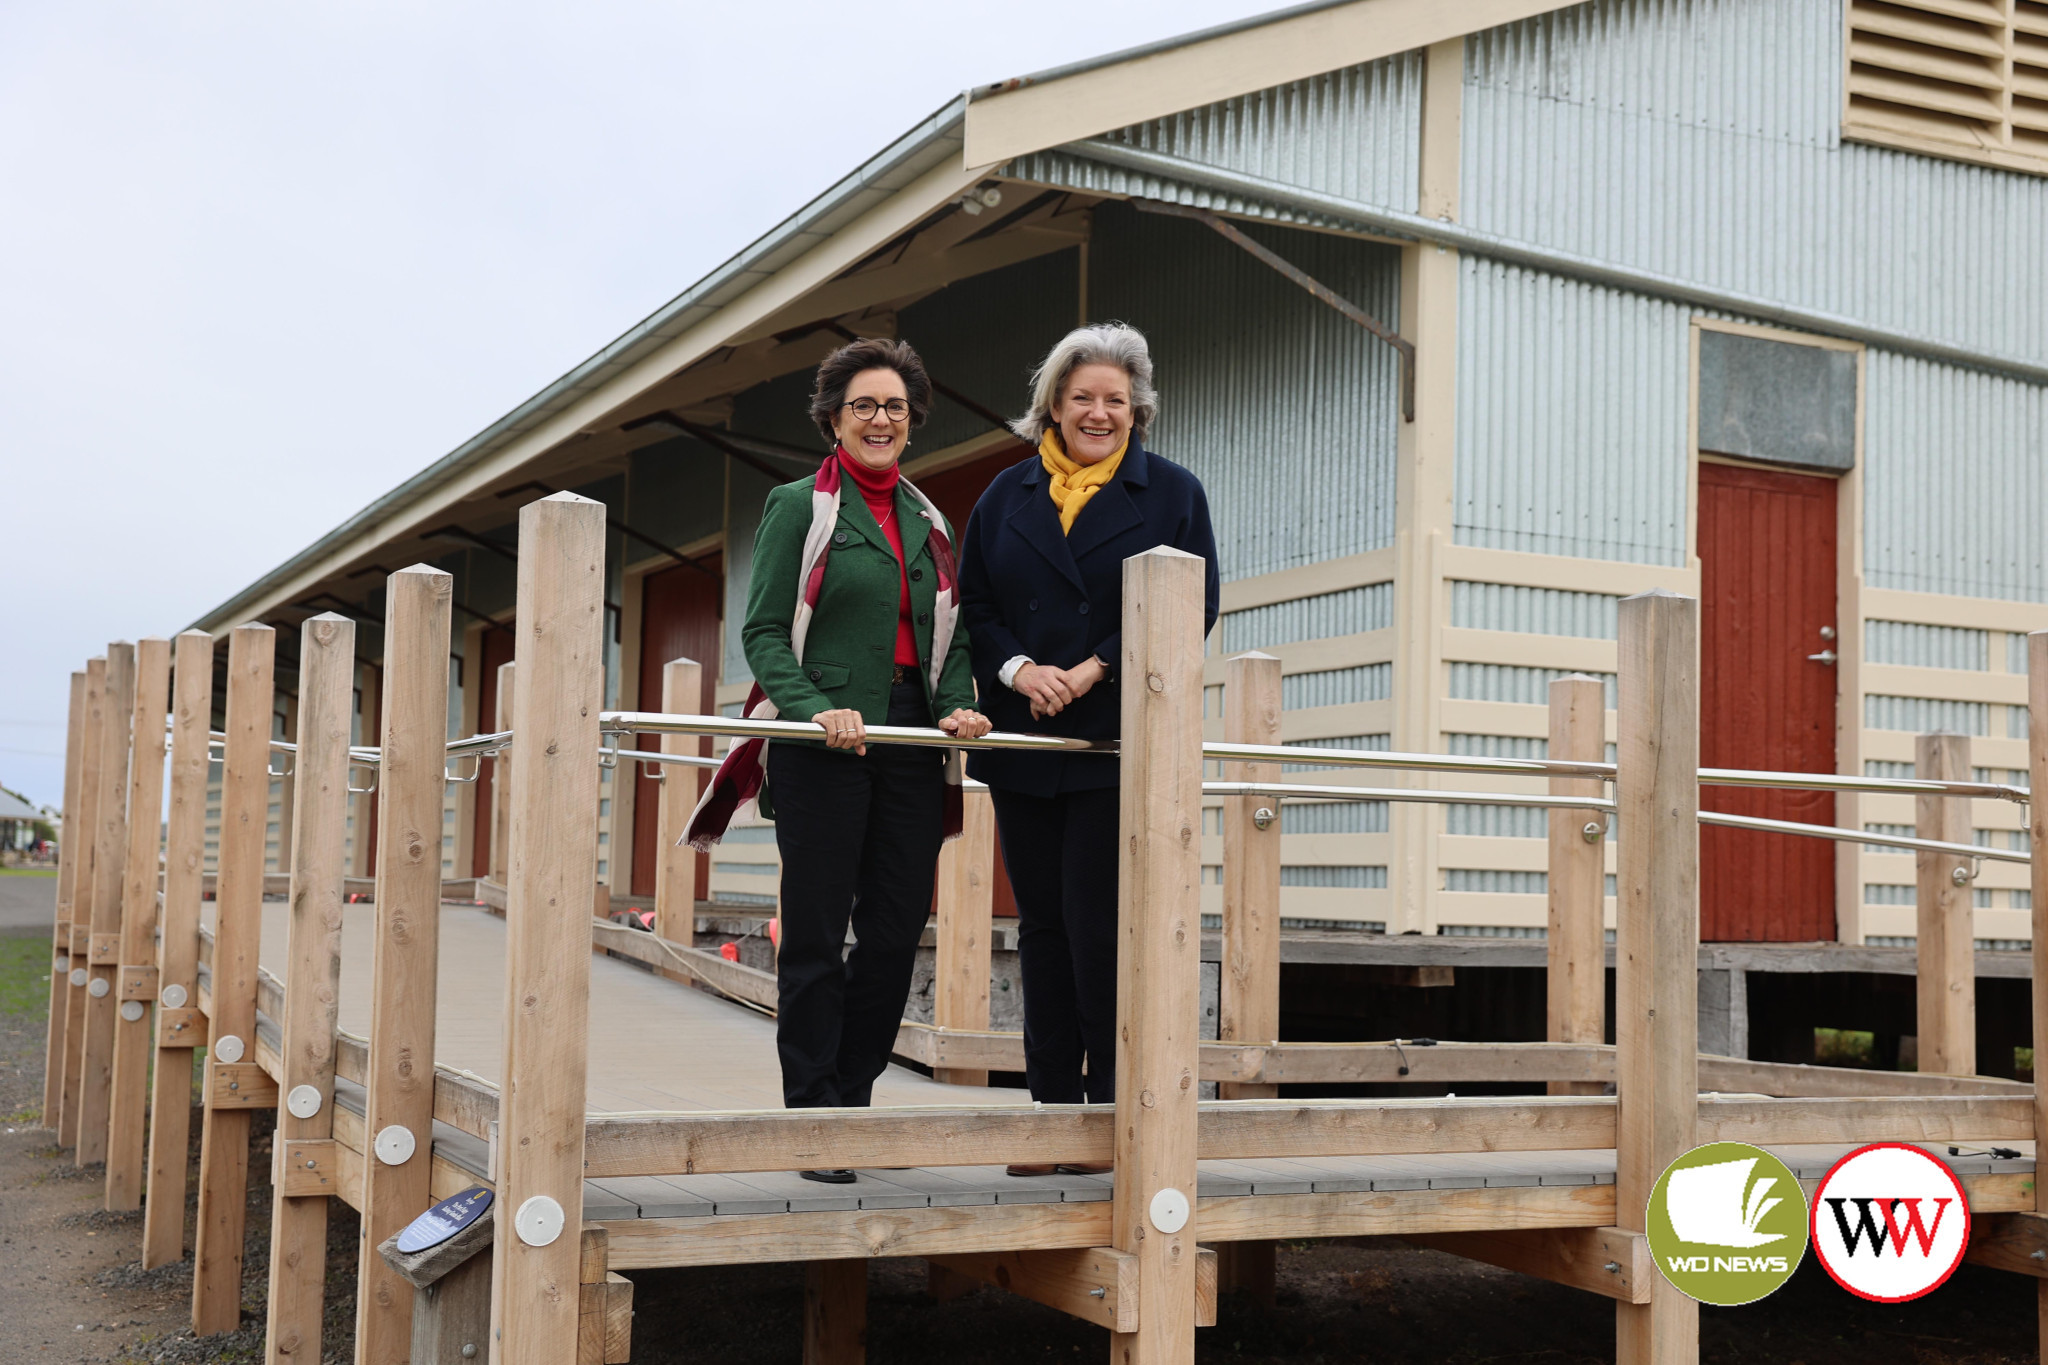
(444, 1220)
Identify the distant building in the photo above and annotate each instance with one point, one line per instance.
(1734, 297)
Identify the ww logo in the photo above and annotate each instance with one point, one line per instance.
(1895, 1223)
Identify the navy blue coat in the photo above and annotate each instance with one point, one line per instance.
(1026, 588)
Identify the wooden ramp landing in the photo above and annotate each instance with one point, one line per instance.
(654, 1044)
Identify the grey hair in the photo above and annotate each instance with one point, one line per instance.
(1104, 343)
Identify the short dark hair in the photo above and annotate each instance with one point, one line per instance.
(837, 370)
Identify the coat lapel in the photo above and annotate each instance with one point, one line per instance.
(1038, 522)
(1112, 511)
(911, 524)
(855, 516)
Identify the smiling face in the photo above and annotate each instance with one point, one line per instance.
(876, 442)
(1094, 412)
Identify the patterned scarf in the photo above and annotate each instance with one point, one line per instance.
(743, 773)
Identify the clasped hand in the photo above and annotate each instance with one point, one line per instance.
(1051, 690)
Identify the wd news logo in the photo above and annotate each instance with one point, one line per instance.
(1890, 1222)
(1727, 1223)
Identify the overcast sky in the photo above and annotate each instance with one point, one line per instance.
(260, 262)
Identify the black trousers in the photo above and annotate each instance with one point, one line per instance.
(860, 842)
(1061, 853)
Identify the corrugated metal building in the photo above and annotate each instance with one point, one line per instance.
(1722, 296)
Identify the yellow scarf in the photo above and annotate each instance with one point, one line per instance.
(1073, 483)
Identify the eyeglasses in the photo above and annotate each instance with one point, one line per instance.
(866, 408)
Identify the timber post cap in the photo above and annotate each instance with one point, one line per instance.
(566, 496)
(424, 570)
(1254, 654)
(1163, 552)
(1653, 593)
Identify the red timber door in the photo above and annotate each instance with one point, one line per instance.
(679, 610)
(494, 649)
(955, 491)
(1767, 563)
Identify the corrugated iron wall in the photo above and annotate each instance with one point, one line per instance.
(1701, 139)
(1954, 480)
(1350, 611)
(1539, 611)
(1571, 426)
(1921, 646)
(1285, 410)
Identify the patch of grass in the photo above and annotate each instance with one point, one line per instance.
(28, 871)
(1844, 1047)
(25, 975)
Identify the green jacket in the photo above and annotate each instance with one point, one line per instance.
(849, 653)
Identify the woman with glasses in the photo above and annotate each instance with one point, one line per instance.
(1041, 585)
(852, 621)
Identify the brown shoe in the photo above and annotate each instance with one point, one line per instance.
(1031, 1168)
(1086, 1167)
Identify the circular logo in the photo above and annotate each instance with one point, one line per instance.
(1890, 1222)
(1727, 1223)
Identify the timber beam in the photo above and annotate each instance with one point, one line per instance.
(1094, 1284)
(2010, 1241)
(1605, 1261)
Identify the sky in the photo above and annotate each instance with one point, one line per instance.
(258, 263)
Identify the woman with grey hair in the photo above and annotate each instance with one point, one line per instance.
(1041, 596)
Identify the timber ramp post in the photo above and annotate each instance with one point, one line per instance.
(307, 1162)
(179, 1024)
(675, 862)
(135, 976)
(1159, 968)
(1656, 993)
(966, 909)
(109, 866)
(235, 1084)
(398, 1120)
(60, 945)
(535, 1271)
(89, 784)
(1248, 994)
(1576, 950)
(1944, 917)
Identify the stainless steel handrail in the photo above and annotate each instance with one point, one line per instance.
(1292, 791)
(1387, 758)
(645, 756)
(1842, 782)
(1859, 836)
(736, 727)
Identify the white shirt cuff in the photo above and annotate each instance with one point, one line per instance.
(1007, 674)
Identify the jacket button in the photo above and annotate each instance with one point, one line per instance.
(1034, 604)
(839, 537)
(817, 675)
(924, 618)
(1084, 608)
(917, 575)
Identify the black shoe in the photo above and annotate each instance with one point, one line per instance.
(838, 1177)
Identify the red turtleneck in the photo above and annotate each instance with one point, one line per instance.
(878, 490)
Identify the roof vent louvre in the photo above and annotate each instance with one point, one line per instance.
(1957, 78)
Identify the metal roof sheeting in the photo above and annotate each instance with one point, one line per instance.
(1701, 139)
